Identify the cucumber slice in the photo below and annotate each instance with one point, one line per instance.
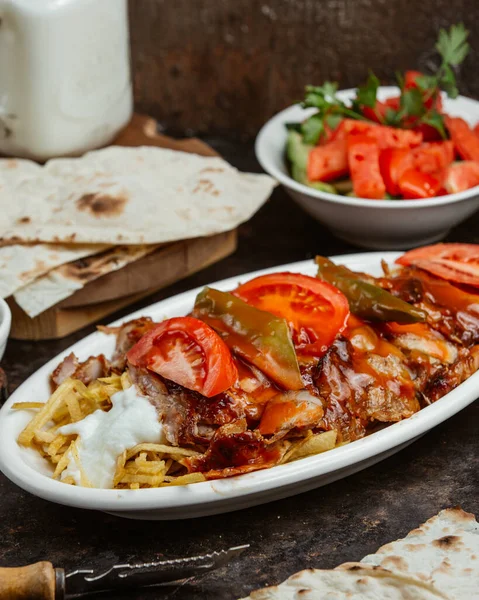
(297, 151)
(322, 186)
(300, 176)
(343, 186)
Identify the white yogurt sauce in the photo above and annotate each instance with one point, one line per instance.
(103, 436)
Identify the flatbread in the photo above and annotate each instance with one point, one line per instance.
(443, 551)
(62, 282)
(21, 264)
(121, 195)
(439, 559)
(359, 583)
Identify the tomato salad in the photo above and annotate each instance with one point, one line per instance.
(405, 147)
(283, 366)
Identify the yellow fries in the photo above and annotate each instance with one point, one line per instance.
(145, 465)
(310, 445)
(27, 405)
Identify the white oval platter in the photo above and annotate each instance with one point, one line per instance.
(29, 471)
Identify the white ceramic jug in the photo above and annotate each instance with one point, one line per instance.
(65, 82)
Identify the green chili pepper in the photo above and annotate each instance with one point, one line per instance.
(366, 300)
(256, 335)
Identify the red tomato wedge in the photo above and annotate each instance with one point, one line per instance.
(458, 263)
(386, 137)
(391, 137)
(378, 113)
(328, 162)
(461, 176)
(410, 79)
(476, 129)
(413, 184)
(465, 140)
(392, 164)
(429, 134)
(348, 126)
(433, 156)
(188, 352)
(363, 159)
(410, 83)
(316, 311)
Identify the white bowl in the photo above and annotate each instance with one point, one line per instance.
(381, 224)
(5, 322)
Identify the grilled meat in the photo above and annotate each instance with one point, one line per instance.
(375, 373)
(86, 371)
(127, 335)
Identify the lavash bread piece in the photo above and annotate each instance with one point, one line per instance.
(439, 559)
(357, 582)
(21, 264)
(62, 282)
(443, 551)
(120, 195)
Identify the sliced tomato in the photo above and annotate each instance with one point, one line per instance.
(432, 157)
(458, 263)
(392, 164)
(387, 137)
(410, 79)
(410, 82)
(188, 352)
(476, 129)
(413, 184)
(465, 140)
(328, 162)
(316, 311)
(327, 135)
(348, 126)
(378, 113)
(461, 176)
(363, 159)
(391, 137)
(428, 133)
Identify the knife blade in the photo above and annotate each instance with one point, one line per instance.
(42, 581)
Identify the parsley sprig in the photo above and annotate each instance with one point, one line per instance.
(417, 104)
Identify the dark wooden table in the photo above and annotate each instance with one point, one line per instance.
(340, 522)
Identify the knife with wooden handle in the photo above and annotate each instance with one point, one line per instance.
(42, 581)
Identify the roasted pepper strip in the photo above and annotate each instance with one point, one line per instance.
(366, 300)
(256, 335)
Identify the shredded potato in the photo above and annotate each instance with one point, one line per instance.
(146, 465)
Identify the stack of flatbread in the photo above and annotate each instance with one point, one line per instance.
(92, 215)
(438, 560)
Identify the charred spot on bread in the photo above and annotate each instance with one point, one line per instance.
(102, 205)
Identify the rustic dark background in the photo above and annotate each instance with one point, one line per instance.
(226, 66)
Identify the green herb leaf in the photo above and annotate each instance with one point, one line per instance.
(448, 82)
(426, 82)
(321, 96)
(412, 102)
(333, 121)
(366, 94)
(436, 120)
(293, 127)
(452, 44)
(312, 129)
(392, 117)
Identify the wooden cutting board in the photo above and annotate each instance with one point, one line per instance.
(116, 290)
